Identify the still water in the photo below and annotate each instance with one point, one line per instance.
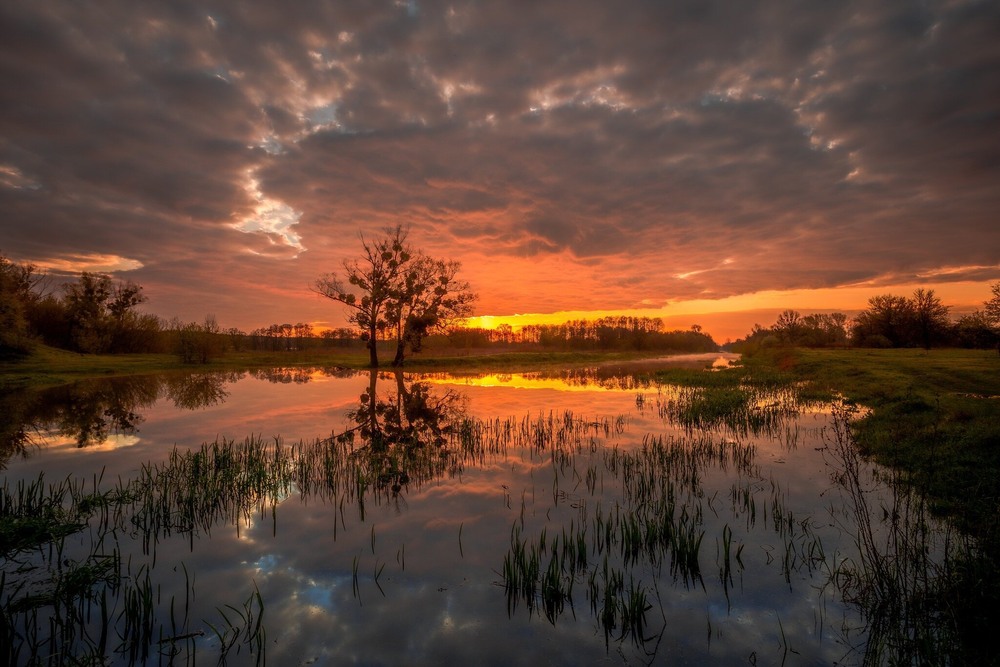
(585, 517)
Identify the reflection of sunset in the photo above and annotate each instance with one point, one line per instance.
(529, 381)
(521, 381)
(62, 443)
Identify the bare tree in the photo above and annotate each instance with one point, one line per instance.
(393, 288)
(992, 306)
(930, 317)
(368, 285)
(429, 297)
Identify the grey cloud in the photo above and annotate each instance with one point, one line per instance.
(817, 144)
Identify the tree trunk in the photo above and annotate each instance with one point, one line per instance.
(374, 432)
(400, 353)
(372, 347)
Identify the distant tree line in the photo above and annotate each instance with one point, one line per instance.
(405, 298)
(921, 320)
(93, 314)
(606, 334)
(291, 337)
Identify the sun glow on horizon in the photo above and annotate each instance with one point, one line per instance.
(727, 312)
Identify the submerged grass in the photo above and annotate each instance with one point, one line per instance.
(906, 575)
(225, 482)
(650, 524)
(637, 516)
(67, 591)
(932, 417)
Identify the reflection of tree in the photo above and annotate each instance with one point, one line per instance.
(405, 432)
(15, 427)
(298, 375)
(198, 390)
(91, 411)
(606, 377)
(283, 375)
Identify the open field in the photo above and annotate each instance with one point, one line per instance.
(50, 366)
(935, 415)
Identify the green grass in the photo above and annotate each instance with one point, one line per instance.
(48, 366)
(935, 417)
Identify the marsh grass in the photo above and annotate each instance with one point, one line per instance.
(649, 524)
(931, 418)
(907, 575)
(70, 597)
(97, 595)
(622, 523)
(738, 410)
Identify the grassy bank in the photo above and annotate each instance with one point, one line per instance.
(935, 420)
(49, 366)
(935, 417)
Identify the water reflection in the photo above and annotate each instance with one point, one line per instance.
(104, 412)
(405, 432)
(577, 380)
(99, 412)
(432, 525)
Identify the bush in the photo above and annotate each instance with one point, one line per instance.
(199, 343)
(876, 340)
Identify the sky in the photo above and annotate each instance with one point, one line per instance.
(701, 161)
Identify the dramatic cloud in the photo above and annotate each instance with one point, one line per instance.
(573, 155)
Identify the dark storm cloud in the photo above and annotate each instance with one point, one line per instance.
(664, 150)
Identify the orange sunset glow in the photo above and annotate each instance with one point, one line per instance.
(709, 166)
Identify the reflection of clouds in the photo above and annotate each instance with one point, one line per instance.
(440, 599)
(115, 441)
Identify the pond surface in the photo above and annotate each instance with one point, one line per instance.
(337, 517)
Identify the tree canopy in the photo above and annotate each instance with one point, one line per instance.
(17, 282)
(898, 321)
(392, 288)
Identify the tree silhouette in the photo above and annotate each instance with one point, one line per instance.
(887, 321)
(930, 317)
(992, 306)
(368, 284)
(17, 282)
(393, 288)
(429, 297)
(405, 433)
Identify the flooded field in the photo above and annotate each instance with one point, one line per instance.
(327, 517)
